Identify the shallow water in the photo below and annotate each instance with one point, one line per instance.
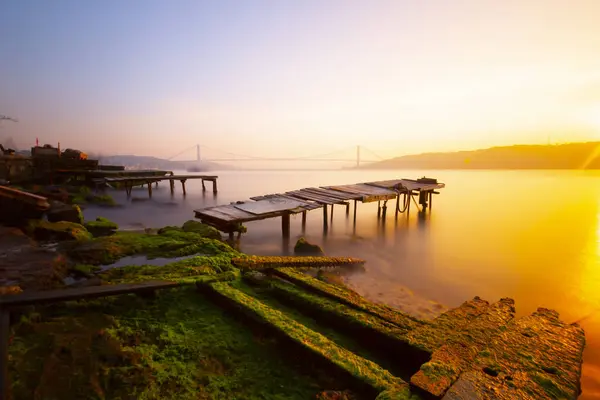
(530, 235)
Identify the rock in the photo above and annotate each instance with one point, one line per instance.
(168, 229)
(101, 227)
(64, 212)
(31, 269)
(63, 230)
(305, 248)
(204, 230)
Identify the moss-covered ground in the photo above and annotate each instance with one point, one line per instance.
(250, 328)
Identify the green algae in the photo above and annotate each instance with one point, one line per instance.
(149, 350)
(101, 222)
(365, 371)
(169, 244)
(264, 263)
(343, 295)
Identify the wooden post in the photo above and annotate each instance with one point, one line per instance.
(397, 204)
(430, 200)
(347, 208)
(128, 188)
(379, 209)
(4, 337)
(325, 215)
(331, 216)
(409, 202)
(303, 221)
(183, 186)
(214, 185)
(384, 209)
(285, 225)
(231, 236)
(355, 204)
(156, 184)
(149, 189)
(172, 186)
(203, 186)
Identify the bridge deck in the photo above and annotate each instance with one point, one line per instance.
(153, 179)
(228, 218)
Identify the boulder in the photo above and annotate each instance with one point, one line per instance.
(58, 231)
(204, 230)
(60, 211)
(303, 247)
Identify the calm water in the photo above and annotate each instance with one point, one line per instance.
(533, 236)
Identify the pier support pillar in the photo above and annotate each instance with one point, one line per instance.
(214, 182)
(285, 225)
(423, 195)
(303, 221)
(430, 200)
(149, 189)
(355, 204)
(347, 209)
(172, 186)
(384, 209)
(183, 186)
(203, 186)
(325, 222)
(379, 209)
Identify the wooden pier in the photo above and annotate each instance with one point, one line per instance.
(229, 218)
(128, 182)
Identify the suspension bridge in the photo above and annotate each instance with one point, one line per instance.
(342, 155)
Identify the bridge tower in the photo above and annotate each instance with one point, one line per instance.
(198, 154)
(357, 156)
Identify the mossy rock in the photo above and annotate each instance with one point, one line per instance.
(101, 227)
(306, 248)
(401, 393)
(63, 230)
(168, 229)
(204, 230)
(64, 212)
(172, 243)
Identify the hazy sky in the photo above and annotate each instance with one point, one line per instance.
(278, 78)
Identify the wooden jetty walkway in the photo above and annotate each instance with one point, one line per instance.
(229, 218)
(128, 182)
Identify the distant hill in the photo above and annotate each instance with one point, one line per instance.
(563, 156)
(146, 162)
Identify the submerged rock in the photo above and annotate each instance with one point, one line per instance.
(306, 248)
(101, 227)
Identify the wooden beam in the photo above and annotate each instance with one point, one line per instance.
(90, 292)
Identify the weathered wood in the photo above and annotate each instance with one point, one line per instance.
(306, 195)
(272, 205)
(285, 225)
(53, 296)
(331, 193)
(257, 263)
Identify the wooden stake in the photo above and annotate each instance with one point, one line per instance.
(325, 215)
(285, 225)
(430, 200)
(355, 204)
(172, 186)
(379, 209)
(397, 204)
(384, 208)
(303, 221)
(203, 186)
(183, 186)
(214, 185)
(149, 189)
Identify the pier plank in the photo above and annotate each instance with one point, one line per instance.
(302, 194)
(332, 193)
(269, 205)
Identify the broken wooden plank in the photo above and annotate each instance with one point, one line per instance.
(301, 194)
(53, 296)
(257, 263)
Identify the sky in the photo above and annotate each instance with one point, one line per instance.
(283, 78)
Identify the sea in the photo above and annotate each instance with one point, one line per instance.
(533, 236)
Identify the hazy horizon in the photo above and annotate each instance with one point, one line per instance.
(283, 79)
